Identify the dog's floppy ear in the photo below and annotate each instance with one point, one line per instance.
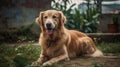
(39, 19)
(62, 17)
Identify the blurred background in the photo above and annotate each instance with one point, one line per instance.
(17, 17)
(19, 34)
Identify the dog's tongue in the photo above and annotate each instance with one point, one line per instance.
(49, 32)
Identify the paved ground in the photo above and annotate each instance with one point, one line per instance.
(108, 61)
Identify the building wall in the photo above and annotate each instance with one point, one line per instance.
(17, 13)
(106, 19)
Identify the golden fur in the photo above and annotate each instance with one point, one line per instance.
(62, 43)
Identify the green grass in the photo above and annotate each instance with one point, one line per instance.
(22, 56)
(18, 56)
(109, 47)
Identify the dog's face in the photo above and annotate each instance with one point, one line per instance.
(51, 20)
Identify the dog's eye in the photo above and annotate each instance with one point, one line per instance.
(45, 17)
(54, 16)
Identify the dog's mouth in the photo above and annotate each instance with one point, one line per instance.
(49, 31)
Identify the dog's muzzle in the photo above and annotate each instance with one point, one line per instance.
(49, 28)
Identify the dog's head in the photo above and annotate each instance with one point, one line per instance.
(51, 20)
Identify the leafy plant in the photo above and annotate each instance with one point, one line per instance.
(85, 22)
(90, 20)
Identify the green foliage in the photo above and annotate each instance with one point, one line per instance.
(18, 56)
(90, 20)
(85, 22)
(110, 47)
(25, 32)
(22, 34)
(20, 61)
(96, 64)
(26, 28)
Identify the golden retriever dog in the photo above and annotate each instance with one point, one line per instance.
(58, 43)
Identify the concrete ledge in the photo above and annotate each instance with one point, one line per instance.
(97, 37)
(105, 37)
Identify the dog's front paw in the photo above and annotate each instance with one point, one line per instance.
(47, 64)
(34, 63)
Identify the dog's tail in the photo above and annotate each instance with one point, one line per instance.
(97, 53)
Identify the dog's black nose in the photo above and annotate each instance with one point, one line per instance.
(49, 25)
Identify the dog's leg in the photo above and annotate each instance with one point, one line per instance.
(40, 60)
(66, 52)
(58, 58)
(54, 60)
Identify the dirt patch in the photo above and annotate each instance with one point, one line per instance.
(110, 61)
